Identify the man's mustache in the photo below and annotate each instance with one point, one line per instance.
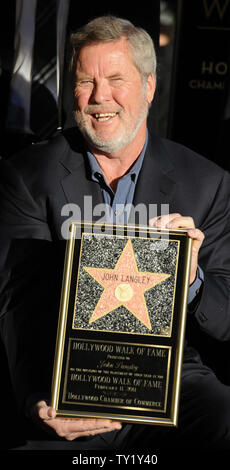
(99, 109)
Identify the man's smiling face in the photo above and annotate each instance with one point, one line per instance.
(111, 101)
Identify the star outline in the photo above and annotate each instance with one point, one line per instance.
(124, 304)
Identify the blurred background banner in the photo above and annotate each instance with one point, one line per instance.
(199, 111)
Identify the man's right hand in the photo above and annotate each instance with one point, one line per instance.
(70, 428)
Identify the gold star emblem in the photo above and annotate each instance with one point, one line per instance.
(124, 285)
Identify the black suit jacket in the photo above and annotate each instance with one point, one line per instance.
(35, 186)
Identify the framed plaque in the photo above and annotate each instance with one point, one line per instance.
(121, 327)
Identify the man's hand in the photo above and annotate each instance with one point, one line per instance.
(175, 221)
(70, 428)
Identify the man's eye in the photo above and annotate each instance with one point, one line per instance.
(85, 83)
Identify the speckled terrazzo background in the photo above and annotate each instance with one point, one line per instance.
(104, 251)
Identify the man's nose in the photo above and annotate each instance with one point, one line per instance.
(101, 92)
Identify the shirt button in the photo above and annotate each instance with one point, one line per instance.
(116, 213)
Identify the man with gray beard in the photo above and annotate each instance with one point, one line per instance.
(118, 161)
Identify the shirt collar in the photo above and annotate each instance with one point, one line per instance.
(96, 171)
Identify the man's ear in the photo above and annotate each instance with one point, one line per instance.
(150, 87)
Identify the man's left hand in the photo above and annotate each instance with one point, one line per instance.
(177, 221)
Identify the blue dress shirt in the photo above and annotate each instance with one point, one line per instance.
(118, 203)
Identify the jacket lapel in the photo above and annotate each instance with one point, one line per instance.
(157, 180)
(76, 183)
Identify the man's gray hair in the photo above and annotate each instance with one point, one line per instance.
(110, 28)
